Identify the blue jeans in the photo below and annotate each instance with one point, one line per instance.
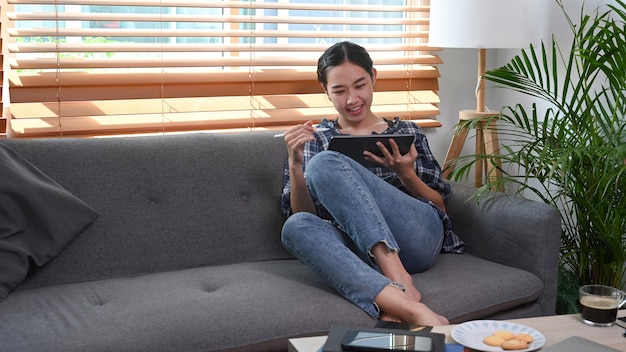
(369, 211)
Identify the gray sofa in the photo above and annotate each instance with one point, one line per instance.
(185, 254)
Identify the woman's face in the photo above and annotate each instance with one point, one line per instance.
(350, 88)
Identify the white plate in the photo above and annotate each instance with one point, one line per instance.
(472, 333)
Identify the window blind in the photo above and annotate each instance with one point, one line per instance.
(90, 67)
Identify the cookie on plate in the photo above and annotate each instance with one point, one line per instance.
(512, 344)
(493, 340)
(528, 338)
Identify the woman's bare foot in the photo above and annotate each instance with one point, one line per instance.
(422, 315)
(395, 303)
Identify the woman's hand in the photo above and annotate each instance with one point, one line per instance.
(403, 166)
(393, 159)
(295, 139)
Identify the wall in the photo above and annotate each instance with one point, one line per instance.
(456, 91)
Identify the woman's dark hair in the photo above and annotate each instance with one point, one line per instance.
(343, 52)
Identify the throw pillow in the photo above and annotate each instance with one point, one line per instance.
(38, 218)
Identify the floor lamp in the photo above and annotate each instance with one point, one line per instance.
(481, 24)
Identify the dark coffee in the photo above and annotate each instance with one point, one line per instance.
(599, 310)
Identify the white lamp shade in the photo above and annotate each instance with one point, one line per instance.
(484, 23)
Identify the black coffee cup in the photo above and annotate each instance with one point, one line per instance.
(599, 304)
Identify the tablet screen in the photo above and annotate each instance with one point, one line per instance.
(353, 146)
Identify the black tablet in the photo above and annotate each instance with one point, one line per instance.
(385, 341)
(353, 146)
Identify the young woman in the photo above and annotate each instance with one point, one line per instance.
(365, 230)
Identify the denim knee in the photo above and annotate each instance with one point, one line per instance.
(295, 226)
(289, 230)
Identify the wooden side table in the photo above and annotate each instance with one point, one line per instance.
(486, 143)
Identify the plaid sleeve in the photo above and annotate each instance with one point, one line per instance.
(429, 169)
(310, 149)
(285, 201)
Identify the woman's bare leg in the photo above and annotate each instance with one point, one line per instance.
(391, 266)
(396, 304)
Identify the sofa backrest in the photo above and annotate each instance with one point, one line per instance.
(165, 202)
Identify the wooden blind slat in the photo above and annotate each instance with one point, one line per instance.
(219, 62)
(208, 104)
(134, 78)
(85, 125)
(151, 124)
(81, 32)
(329, 6)
(169, 19)
(241, 48)
(79, 86)
(173, 90)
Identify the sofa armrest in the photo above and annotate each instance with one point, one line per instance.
(510, 230)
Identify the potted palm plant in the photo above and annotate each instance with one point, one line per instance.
(570, 150)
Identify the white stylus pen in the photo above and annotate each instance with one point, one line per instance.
(321, 129)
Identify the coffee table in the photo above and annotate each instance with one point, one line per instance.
(555, 328)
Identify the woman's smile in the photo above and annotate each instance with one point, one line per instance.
(357, 110)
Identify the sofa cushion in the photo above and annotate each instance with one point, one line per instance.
(501, 287)
(249, 306)
(199, 309)
(38, 218)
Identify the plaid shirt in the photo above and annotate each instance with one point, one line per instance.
(426, 167)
